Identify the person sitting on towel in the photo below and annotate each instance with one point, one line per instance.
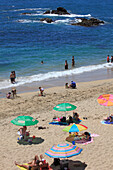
(76, 116)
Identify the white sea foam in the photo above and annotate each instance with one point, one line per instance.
(69, 16)
(62, 21)
(30, 9)
(55, 74)
(26, 21)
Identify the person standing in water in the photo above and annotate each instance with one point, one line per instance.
(108, 59)
(66, 65)
(73, 61)
(111, 59)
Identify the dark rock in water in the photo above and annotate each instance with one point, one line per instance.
(59, 11)
(47, 12)
(25, 13)
(48, 20)
(89, 22)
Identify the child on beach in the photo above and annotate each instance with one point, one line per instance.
(13, 92)
(8, 95)
(41, 91)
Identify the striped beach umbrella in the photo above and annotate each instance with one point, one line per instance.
(63, 151)
(75, 128)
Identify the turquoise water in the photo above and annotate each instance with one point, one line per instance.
(25, 41)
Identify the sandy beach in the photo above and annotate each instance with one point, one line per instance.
(97, 155)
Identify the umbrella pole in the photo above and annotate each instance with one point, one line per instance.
(109, 111)
(65, 114)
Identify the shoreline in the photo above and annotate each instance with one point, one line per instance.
(102, 74)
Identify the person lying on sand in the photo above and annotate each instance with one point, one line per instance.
(35, 164)
(31, 165)
(85, 135)
(110, 118)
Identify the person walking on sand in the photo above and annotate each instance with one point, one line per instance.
(73, 61)
(66, 65)
(108, 59)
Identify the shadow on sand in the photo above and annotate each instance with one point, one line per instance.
(30, 141)
(72, 165)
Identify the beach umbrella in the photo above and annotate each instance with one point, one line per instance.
(63, 107)
(105, 100)
(75, 128)
(63, 151)
(24, 121)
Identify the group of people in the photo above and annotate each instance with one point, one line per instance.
(72, 85)
(11, 93)
(108, 59)
(12, 77)
(66, 63)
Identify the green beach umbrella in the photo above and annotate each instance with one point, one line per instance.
(63, 107)
(24, 121)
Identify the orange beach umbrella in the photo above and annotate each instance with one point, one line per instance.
(106, 100)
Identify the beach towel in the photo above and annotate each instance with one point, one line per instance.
(27, 164)
(84, 141)
(106, 122)
(59, 123)
(22, 167)
(63, 123)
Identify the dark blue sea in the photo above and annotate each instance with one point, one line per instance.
(25, 41)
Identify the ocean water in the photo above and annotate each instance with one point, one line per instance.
(25, 41)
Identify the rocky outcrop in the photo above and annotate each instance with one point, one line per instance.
(89, 22)
(48, 20)
(59, 11)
